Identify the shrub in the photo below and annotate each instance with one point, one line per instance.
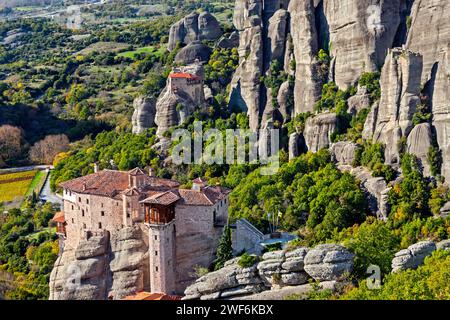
(246, 260)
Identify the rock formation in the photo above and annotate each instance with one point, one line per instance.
(102, 266)
(361, 100)
(418, 143)
(361, 32)
(343, 152)
(413, 256)
(194, 26)
(144, 114)
(441, 110)
(328, 262)
(400, 90)
(318, 131)
(429, 33)
(192, 52)
(308, 82)
(278, 274)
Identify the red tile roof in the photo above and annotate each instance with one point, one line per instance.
(183, 75)
(59, 217)
(151, 296)
(206, 197)
(164, 198)
(111, 182)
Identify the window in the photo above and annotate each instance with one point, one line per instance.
(73, 221)
(72, 207)
(156, 269)
(128, 215)
(82, 212)
(87, 201)
(156, 237)
(99, 225)
(84, 225)
(156, 253)
(102, 204)
(103, 213)
(79, 199)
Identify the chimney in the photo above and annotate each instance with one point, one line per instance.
(151, 172)
(84, 186)
(95, 167)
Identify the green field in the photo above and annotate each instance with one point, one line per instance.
(37, 183)
(159, 51)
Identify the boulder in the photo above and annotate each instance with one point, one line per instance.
(144, 114)
(285, 98)
(318, 131)
(95, 246)
(418, 143)
(328, 262)
(371, 122)
(194, 51)
(194, 27)
(343, 152)
(232, 41)
(413, 256)
(358, 102)
(443, 245)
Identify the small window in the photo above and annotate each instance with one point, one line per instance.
(73, 221)
(82, 212)
(156, 237)
(87, 201)
(156, 269)
(156, 253)
(72, 207)
(102, 204)
(128, 215)
(79, 199)
(84, 225)
(103, 213)
(99, 225)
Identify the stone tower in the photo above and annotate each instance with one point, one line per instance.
(160, 218)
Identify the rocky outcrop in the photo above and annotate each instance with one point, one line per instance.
(443, 245)
(144, 114)
(328, 262)
(294, 148)
(278, 274)
(418, 143)
(193, 27)
(308, 82)
(232, 41)
(276, 37)
(358, 102)
(441, 110)
(429, 34)
(245, 85)
(192, 52)
(101, 267)
(318, 131)
(343, 152)
(371, 122)
(400, 90)
(376, 189)
(413, 256)
(285, 100)
(361, 32)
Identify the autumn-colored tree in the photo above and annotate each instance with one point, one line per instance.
(44, 151)
(10, 143)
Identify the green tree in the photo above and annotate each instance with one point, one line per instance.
(224, 249)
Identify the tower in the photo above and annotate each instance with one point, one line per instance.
(160, 219)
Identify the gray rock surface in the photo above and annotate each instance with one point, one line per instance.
(318, 131)
(195, 50)
(361, 100)
(102, 266)
(400, 87)
(144, 114)
(413, 256)
(443, 245)
(193, 27)
(418, 143)
(361, 32)
(327, 262)
(343, 152)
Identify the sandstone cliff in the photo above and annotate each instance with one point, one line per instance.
(144, 114)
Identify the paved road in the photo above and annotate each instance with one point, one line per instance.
(48, 195)
(27, 168)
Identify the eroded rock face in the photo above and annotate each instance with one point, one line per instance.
(358, 102)
(328, 262)
(277, 32)
(343, 152)
(400, 90)
(144, 114)
(318, 131)
(430, 32)
(440, 109)
(195, 50)
(193, 27)
(361, 32)
(418, 143)
(308, 82)
(101, 267)
(279, 269)
(413, 256)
